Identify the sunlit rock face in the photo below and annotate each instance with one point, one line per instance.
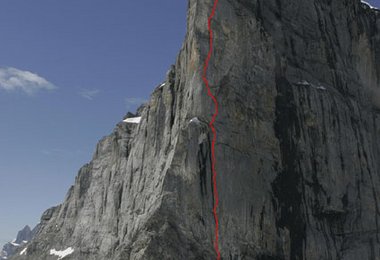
(23, 237)
(298, 146)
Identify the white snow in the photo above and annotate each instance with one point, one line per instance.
(303, 83)
(163, 84)
(369, 5)
(25, 241)
(63, 253)
(15, 244)
(133, 120)
(195, 120)
(321, 88)
(23, 252)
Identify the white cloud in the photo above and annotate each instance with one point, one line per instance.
(12, 79)
(134, 103)
(89, 93)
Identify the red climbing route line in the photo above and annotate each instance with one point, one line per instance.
(213, 161)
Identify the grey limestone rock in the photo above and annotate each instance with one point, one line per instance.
(298, 83)
(23, 237)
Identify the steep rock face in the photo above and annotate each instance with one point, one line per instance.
(297, 151)
(22, 238)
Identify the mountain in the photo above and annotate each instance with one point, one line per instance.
(297, 151)
(23, 237)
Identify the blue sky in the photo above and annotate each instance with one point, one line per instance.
(86, 62)
(375, 3)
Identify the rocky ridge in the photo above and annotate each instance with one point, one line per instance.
(23, 237)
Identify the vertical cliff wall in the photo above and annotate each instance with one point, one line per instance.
(297, 152)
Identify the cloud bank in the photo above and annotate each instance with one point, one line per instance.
(12, 79)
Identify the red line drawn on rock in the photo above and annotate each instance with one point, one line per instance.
(215, 114)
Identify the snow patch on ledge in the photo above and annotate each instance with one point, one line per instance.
(194, 120)
(320, 87)
(23, 252)
(305, 83)
(63, 253)
(133, 120)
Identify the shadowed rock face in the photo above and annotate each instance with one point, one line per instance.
(298, 146)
